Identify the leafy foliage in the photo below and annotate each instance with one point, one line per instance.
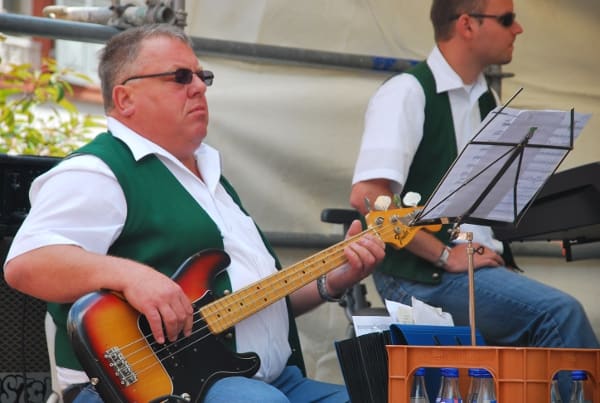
(36, 116)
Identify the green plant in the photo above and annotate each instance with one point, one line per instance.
(36, 116)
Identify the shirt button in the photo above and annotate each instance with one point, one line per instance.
(435, 275)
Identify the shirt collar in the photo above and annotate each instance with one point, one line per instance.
(208, 158)
(139, 145)
(447, 79)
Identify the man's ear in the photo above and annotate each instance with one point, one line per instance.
(123, 100)
(464, 26)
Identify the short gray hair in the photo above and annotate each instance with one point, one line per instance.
(122, 50)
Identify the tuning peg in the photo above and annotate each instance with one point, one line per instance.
(397, 200)
(367, 204)
(456, 234)
(411, 199)
(382, 203)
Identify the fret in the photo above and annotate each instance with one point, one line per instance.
(391, 226)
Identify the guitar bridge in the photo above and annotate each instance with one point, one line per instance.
(120, 366)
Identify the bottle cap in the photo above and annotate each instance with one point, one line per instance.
(450, 372)
(420, 371)
(479, 373)
(578, 375)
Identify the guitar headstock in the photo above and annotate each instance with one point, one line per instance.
(393, 225)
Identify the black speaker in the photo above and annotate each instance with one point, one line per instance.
(16, 174)
(24, 367)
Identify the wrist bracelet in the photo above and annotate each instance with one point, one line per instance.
(443, 259)
(322, 288)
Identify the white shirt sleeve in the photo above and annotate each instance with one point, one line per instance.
(393, 130)
(79, 202)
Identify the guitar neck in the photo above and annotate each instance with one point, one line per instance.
(231, 309)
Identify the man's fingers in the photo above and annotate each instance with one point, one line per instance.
(156, 326)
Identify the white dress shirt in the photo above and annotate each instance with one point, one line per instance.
(394, 127)
(62, 198)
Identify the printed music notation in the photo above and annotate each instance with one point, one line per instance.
(504, 166)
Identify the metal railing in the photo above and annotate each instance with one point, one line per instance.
(96, 33)
(17, 24)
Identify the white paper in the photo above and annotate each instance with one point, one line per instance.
(540, 140)
(371, 324)
(418, 314)
(401, 313)
(424, 314)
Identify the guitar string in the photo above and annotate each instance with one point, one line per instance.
(328, 252)
(335, 249)
(286, 271)
(242, 290)
(203, 328)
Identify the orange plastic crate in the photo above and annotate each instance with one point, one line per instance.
(522, 375)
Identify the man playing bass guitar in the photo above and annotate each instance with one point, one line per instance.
(126, 210)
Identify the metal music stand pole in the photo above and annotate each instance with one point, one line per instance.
(471, 272)
(505, 166)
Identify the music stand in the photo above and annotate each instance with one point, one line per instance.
(500, 171)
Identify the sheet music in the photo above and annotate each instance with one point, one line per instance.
(542, 139)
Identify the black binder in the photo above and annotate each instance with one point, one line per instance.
(364, 363)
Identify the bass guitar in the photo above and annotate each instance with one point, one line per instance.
(116, 348)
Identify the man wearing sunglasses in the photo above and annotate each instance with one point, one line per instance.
(126, 210)
(415, 125)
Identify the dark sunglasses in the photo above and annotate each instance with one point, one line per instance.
(180, 76)
(506, 19)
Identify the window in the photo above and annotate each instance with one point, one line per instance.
(80, 56)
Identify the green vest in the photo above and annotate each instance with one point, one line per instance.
(436, 152)
(154, 232)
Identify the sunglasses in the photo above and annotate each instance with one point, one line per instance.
(180, 76)
(506, 19)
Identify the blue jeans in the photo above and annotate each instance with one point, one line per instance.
(88, 395)
(510, 308)
(290, 387)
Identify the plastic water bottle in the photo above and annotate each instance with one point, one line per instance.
(418, 392)
(554, 392)
(486, 390)
(578, 380)
(473, 385)
(449, 389)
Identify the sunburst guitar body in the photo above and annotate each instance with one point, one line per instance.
(116, 348)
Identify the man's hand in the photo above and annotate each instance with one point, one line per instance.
(458, 260)
(43, 272)
(363, 257)
(163, 303)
